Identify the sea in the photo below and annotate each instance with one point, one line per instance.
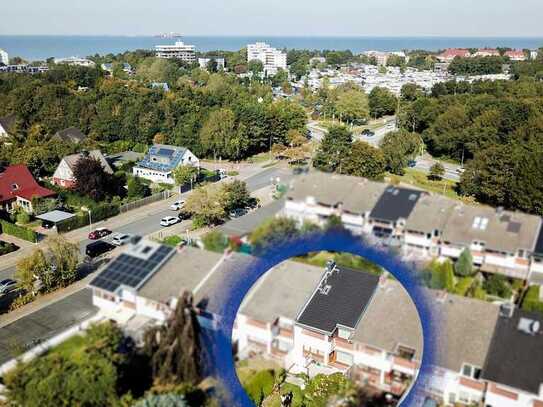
(34, 48)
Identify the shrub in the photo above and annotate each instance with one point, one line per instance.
(260, 386)
(464, 265)
(531, 300)
(463, 286)
(498, 285)
(215, 241)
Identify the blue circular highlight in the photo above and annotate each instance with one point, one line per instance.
(217, 343)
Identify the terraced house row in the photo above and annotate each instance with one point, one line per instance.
(423, 225)
(336, 320)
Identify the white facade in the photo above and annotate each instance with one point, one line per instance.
(165, 177)
(272, 59)
(204, 61)
(4, 57)
(179, 50)
(75, 61)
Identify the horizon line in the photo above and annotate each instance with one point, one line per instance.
(158, 35)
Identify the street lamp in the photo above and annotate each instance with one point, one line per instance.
(88, 210)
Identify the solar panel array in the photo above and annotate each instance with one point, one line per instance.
(174, 155)
(129, 270)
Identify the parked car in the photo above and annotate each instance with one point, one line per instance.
(460, 170)
(236, 213)
(183, 215)
(169, 221)
(411, 163)
(99, 233)
(98, 248)
(222, 173)
(7, 286)
(177, 205)
(121, 239)
(368, 133)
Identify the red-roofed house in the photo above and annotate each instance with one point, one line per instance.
(449, 54)
(487, 52)
(18, 187)
(516, 55)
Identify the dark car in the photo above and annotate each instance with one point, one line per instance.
(99, 233)
(183, 215)
(411, 163)
(98, 248)
(368, 133)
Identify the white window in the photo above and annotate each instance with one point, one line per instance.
(480, 223)
(343, 333)
(345, 358)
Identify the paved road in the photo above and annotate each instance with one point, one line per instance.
(45, 323)
(151, 223)
(389, 125)
(452, 171)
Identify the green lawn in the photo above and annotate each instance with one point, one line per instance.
(342, 259)
(172, 241)
(420, 180)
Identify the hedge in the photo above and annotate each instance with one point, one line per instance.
(98, 213)
(18, 231)
(531, 300)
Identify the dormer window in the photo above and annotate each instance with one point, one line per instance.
(480, 223)
(473, 372)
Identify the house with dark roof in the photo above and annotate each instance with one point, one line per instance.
(7, 124)
(18, 187)
(70, 135)
(64, 174)
(514, 364)
(389, 215)
(160, 162)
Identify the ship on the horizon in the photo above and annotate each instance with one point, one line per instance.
(169, 35)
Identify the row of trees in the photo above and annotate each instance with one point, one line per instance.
(212, 114)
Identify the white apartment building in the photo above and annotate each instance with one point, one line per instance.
(204, 61)
(179, 50)
(272, 59)
(4, 57)
(76, 61)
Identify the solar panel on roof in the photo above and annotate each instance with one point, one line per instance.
(130, 271)
(166, 152)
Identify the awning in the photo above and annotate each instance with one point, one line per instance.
(55, 216)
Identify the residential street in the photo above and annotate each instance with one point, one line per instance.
(146, 220)
(452, 171)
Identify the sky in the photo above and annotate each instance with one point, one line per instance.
(486, 18)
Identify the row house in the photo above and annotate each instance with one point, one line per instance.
(423, 225)
(342, 320)
(317, 196)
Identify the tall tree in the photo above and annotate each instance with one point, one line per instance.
(174, 348)
(334, 148)
(364, 161)
(382, 102)
(91, 178)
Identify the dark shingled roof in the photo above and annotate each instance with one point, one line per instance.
(515, 358)
(350, 293)
(72, 134)
(395, 203)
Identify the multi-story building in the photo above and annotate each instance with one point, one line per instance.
(203, 62)
(75, 61)
(337, 320)
(179, 50)
(487, 52)
(4, 57)
(272, 59)
(423, 225)
(449, 54)
(160, 162)
(516, 55)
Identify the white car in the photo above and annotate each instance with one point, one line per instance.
(169, 221)
(120, 239)
(177, 205)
